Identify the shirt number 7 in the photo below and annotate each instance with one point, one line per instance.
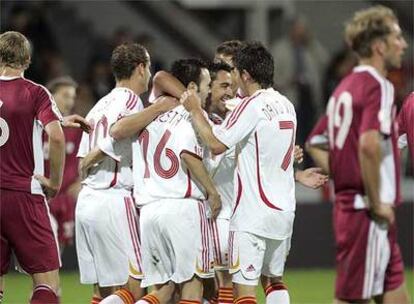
(288, 125)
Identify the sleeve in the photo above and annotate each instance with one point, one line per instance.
(83, 145)
(376, 108)
(319, 134)
(46, 109)
(239, 124)
(190, 144)
(128, 105)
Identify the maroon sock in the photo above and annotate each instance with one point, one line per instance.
(44, 294)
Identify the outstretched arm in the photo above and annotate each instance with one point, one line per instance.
(165, 83)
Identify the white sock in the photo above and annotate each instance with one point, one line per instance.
(142, 302)
(112, 299)
(277, 297)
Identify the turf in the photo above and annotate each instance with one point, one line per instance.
(305, 286)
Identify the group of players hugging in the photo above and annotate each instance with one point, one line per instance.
(192, 198)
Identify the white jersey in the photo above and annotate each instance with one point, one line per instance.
(158, 170)
(263, 126)
(115, 170)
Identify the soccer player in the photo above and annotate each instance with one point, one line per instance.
(406, 126)
(62, 207)
(363, 162)
(174, 227)
(26, 110)
(262, 221)
(107, 237)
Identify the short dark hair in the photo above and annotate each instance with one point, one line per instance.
(257, 61)
(229, 48)
(217, 66)
(125, 59)
(64, 81)
(188, 70)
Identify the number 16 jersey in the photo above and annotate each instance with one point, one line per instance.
(159, 172)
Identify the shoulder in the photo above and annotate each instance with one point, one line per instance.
(36, 90)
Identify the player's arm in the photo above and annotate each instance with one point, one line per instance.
(370, 156)
(319, 155)
(199, 171)
(52, 184)
(133, 124)
(165, 83)
(95, 156)
(192, 104)
(76, 121)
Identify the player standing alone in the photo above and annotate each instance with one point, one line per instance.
(364, 164)
(26, 109)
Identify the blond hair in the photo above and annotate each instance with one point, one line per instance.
(14, 50)
(366, 26)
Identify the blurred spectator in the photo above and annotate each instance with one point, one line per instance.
(341, 65)
(299, 63)
(149, 42)
(29, 18)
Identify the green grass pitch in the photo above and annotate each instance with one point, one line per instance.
(305, 286)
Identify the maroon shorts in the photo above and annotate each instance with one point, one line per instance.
(62, 208)
(368, 258)
(26, 231)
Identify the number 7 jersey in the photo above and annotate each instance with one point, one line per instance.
(264, 127)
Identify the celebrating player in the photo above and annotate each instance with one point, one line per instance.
(265, 193)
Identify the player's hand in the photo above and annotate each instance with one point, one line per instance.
(311, 177)
(215, 204)
(383, 213)
(166, 103)
(49, 189)
(190, 100)
(298, 154)
(76, 121)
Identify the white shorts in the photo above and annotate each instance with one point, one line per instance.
(107, 237)
(175, 241)
(220, 229)
(252, 255)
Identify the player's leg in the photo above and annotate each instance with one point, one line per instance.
(210, 291)
(5, 255)
(220, 236)
(362, 255)
(128, 231)
(161, 294)
(246, 252)
(395, 290)
(96, 297)
(192, 291)
(273, 267)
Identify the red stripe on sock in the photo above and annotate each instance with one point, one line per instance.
(274, 287)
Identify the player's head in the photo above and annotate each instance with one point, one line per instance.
(131, 62)
(225, 52)
(255, 65)
(375, 32)
(63, 90)
(193, 74)
(14, 51)
(220, 88)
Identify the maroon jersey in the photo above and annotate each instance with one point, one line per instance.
(70, 173)
(363, 101)
(406, 125)
(319, 134)
(25, 108)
